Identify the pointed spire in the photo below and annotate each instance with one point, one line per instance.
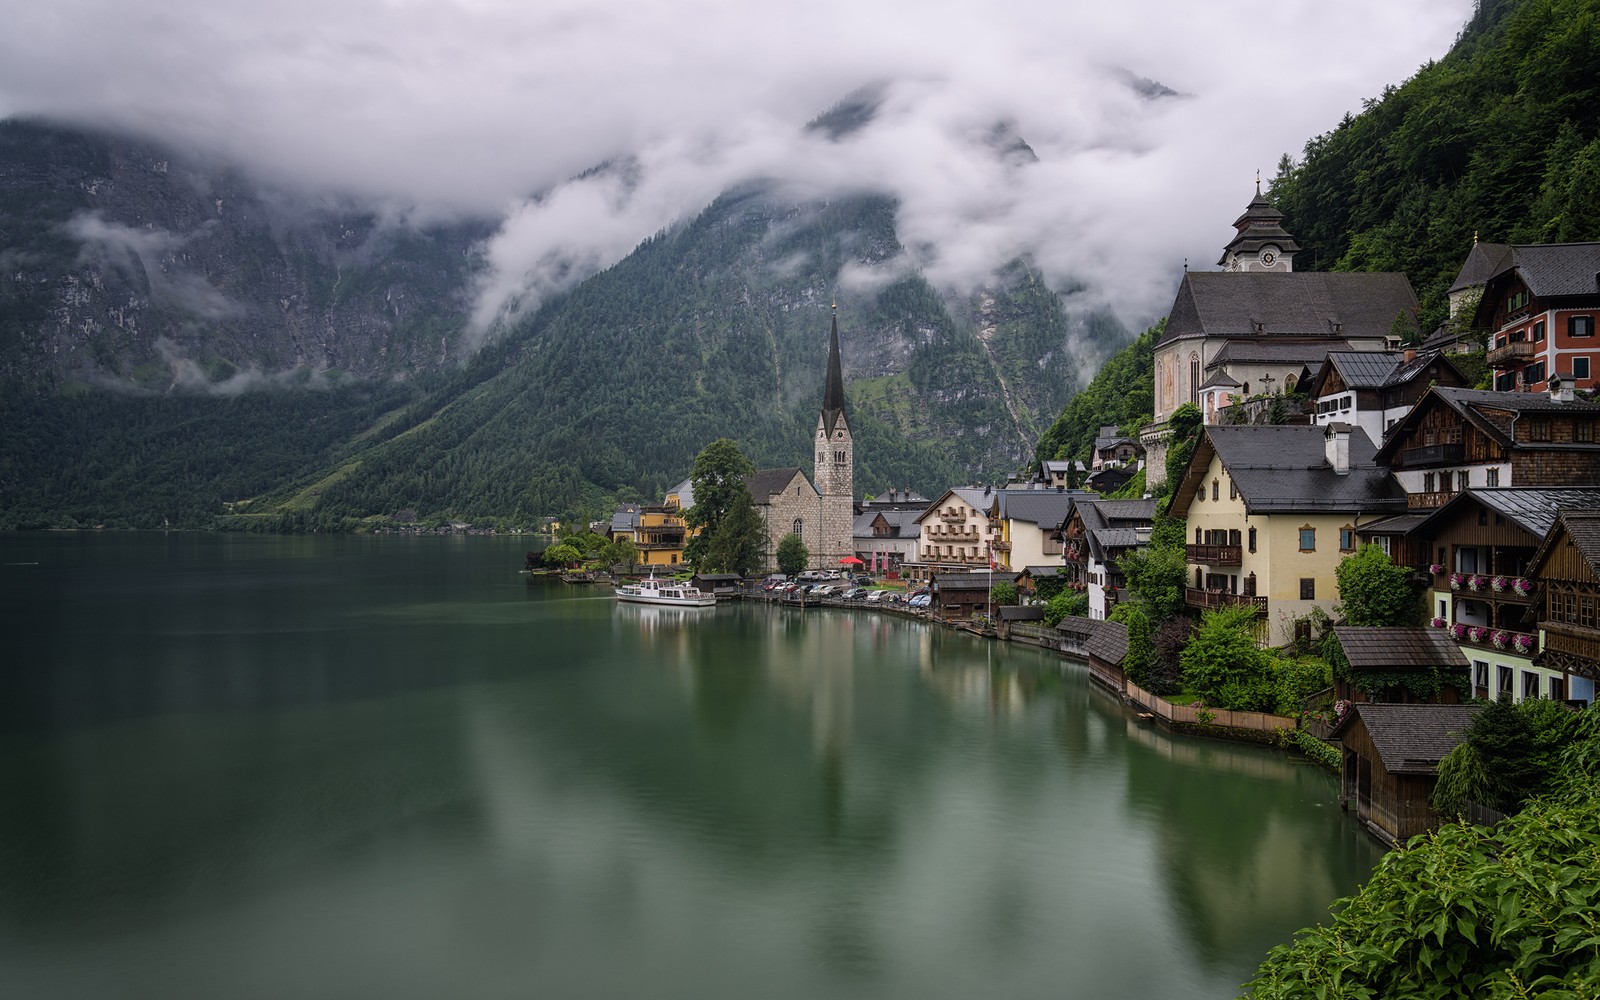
(833, 389)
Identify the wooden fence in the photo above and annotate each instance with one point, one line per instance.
(1257, 721)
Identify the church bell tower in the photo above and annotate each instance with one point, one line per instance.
(1262, 244)
(835, 468)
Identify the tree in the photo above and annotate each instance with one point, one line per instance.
(1185, 426)
(1223, 664)
(792, 555)
(1065, 603)
(564, 554)
(735, 544)
(718, 479)
(621, 551)
(1135, 617)
(1156, 575)
(1373, 591)
(1003, 593)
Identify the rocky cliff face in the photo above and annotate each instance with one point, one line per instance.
(127, 264)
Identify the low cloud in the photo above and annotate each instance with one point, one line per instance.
(147, 255)
(478, 107)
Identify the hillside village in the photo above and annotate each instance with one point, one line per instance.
(1299, 418)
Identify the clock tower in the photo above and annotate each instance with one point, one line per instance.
(1261, 244)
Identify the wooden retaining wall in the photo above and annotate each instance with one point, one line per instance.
(1261, 722)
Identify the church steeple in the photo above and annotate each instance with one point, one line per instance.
(1262, 244)
(833, 388)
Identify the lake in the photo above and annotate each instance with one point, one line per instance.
(246, 766)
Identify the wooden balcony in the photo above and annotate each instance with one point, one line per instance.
(1461, 584)
(1571, 647)
(1214, 555)
(1483, 638)
(1434, 454)
(1416, 501)
(1512, 354)
(1210, 599)
(953, 515)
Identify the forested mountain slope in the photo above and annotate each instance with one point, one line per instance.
(1498, 139)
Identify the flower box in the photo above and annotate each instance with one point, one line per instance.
(1477, 633)
(1477, 582)
(1458, 631)
(1522, 642)
(1437, 569)
(1499, 584)
(1501, 639)
(1522, 586)
(1457, 581)
(1438, 623)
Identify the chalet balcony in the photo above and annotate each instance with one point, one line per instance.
(1419, 501)
(1434, 454)
(1002, 546)
(1489, 637)
(1488, 587)
(1571, 646)
(1512, 354)
(1214, 555)
(1212, 599)
(953, 516)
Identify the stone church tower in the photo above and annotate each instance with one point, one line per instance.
(834, 473)
(1262, 244)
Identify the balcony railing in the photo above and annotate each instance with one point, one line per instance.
(1573, 640)
(952, 515)
(1207, 599)
(1488, 637)
(1002, 546)
(1507, 355)
(1434, 454)
(1420, 500)
(1214, 555)
(1488, 586)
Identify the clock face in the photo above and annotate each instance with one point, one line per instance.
(1269, 257)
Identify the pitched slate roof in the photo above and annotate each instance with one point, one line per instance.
(1398, 648)
(1491, 412)
(1116, 524)
(1220, 378)
(1021, 613)
(1484, 261)
(971, 581)
(902, 523)
(1047, 508)
(1300, 303)
(1260, 224)
(764, 483)
(1582, 529)
(625, 518)
(1532, 508)
(1365, 369)
(1552, 270)
(1269, 351)
(1284, 468)
(1042, 572)
(1411, 739)
(1108, 642)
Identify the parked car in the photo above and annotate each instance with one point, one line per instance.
(855, 593)
(864, 580)
(921, 600)
(876, 596)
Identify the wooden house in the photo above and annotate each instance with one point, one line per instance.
(1391, 763)
(1454, 439)
(960, 596)
(1567, 564)
(1373, 390)
(1107, 648)
(1480, 545)
(1384, 661)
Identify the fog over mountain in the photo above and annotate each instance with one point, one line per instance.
(1147, 119)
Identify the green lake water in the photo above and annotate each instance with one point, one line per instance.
(261, 767)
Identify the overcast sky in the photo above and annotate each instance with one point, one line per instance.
(473, 105)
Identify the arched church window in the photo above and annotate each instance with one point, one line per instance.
(1194, 378)
(799, 526)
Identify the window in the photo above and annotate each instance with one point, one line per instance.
(1250, 585)
(1427, 482)
(1558, 689)
(1580, 326)
(1233, 537)
(1347, 539)
(1194, 378)
(1583, 431)
(1308, 539)
(1533, 373)
(1580, 367)
(1252, 539)
(1505, 381)
(1502, 681)
(799, 527)
(1538, 332)
(1308, 588)
(1530, 684)
(1197, 537)
(1480, 679)
(1517, 300)
(1213, 489)
(1233, 490)
(1539, 429)
(1492, 477)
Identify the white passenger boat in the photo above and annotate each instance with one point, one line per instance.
(665, 592)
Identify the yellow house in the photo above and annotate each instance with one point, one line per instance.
(1271, 511)
(1026, 525)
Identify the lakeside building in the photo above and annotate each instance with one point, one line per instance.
(1391, 763)
(1027, 524)
(1567, 564)
(954, 533)
(1259, 327)
(1539, 306)
(1095, 535)
(1480, 546)
(1273, 510)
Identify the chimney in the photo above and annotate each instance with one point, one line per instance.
(1561, 387)
(1336, 445)
(1411, 354)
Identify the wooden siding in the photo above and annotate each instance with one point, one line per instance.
(1543, 467)
(1440, 427)
(1394, 805)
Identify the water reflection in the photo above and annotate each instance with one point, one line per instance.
(487, 787)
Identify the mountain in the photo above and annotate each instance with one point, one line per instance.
(181, 345)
